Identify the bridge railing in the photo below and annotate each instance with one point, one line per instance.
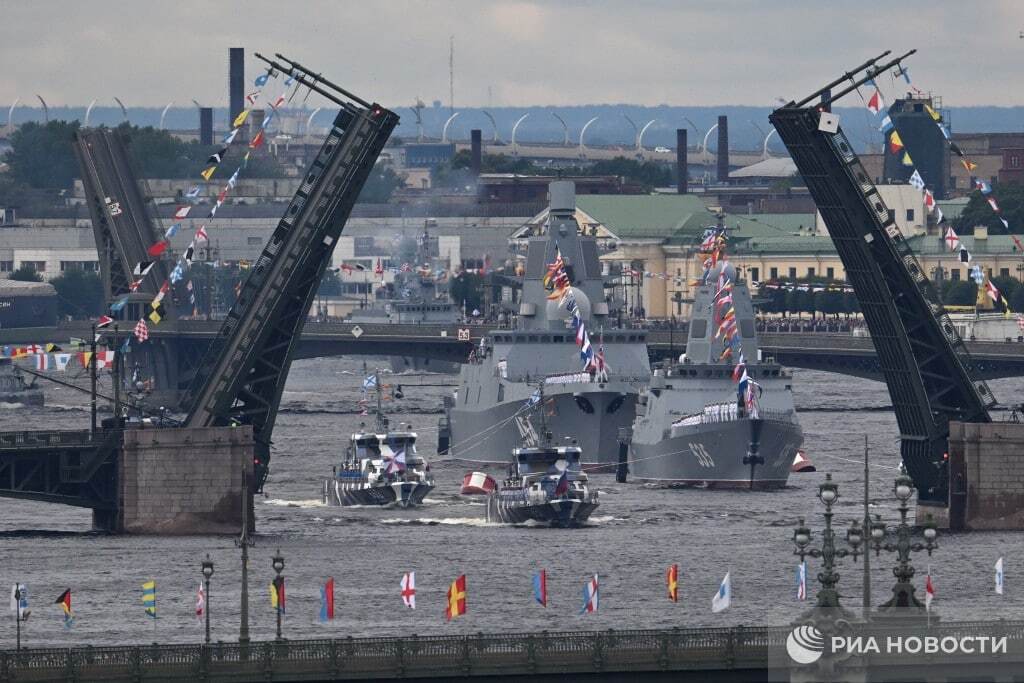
(37, 439)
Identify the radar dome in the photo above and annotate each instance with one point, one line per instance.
(556, 312)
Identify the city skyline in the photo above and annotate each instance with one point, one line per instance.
(510, 53)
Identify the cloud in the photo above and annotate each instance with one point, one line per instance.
(647, 52)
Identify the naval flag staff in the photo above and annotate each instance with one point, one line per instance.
(999, 576)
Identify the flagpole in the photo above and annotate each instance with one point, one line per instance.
(117, 382)
(92, 382)
(867, 526)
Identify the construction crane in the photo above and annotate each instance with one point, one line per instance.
(926, 365)
(242, 375)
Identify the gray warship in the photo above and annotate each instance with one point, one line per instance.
(486, 417)
(713, 421)
(420, 298)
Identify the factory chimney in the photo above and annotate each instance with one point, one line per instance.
(723, 149)
(236, 81)
(476, 152)
(206, 125)
(681, 169)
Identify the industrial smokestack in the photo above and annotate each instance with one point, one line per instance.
(206, 125)
(476, 152)
(723, 149)
(681, 169)
(236, 81)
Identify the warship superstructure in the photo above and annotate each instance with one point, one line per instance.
(720, 417)
(421, 296)
(486, 417)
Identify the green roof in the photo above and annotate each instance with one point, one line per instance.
(647, 216)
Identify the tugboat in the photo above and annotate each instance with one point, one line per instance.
(546, 483)
(381, 466)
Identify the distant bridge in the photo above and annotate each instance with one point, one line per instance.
(173, 344)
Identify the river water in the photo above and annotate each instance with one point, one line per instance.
(634, 536)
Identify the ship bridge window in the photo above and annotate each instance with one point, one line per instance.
(545, 339)
(699, 329)
(532, 338)
(559, 339)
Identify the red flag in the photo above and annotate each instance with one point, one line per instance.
(929, 593)
(182, 211)
(103, 321)
(158, 248)
(201, 234)
(379, 270)
(257, 141)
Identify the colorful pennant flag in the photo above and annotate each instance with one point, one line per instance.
(672, 579)
(540, 588)
(895, 142)
(182, 211)
(999, 576)
(591, 597)
(929, 591)
(801, 581)
(277, 595)
(456, 605)
(65, 603)
(327, 601)
(200, 600)
(149, 598)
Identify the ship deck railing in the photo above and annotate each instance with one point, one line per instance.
(731, 413)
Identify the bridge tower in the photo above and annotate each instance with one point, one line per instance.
(243, 373)
(926, 365)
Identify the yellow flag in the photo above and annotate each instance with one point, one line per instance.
(906, 159)
(240, 119)
(969, 165)
(273, 595)
(155, 317)
(934, 114)
(208, 172)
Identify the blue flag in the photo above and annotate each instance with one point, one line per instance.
(119, 304)
(262, 79)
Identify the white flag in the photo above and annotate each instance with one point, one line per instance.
(200, 600)
(916, 180)
(723, 596)
(409, 589)
(999, 576)
(61, 360)
(20, 606)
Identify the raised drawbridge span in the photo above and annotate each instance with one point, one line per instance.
(925, 363)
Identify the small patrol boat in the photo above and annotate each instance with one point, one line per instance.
(546, 483)
(381, 466)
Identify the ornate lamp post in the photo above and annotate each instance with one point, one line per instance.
(828, 597)
(278, 563)
(207, 573)
(903, 592)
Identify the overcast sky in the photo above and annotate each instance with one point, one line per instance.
(578, 52)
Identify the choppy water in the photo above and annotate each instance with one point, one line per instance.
(636, 533)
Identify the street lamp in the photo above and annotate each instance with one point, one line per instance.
(903, 591)
(828, 597)
(278, 563)
(207, 573)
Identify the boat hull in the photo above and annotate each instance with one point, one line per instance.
(565, 512)
(487, 436)
(404, 494)
(712, 455)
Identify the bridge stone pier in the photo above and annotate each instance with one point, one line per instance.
(185, 481)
